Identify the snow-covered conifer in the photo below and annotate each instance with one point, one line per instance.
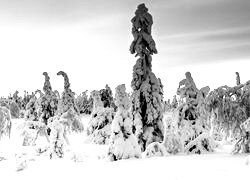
(5, 121)
(123, 143)
(47, 106)
(231, 108)
(172, 140)
(193, 118)
(147, 96)
(99, 126)
(83, 103)
(107, 97)
(67, 105)
(58, 128)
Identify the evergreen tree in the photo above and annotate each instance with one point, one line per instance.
(99, 127)
(47, 105)
(83, 103)
(147, 96)
(231, 108)
(193, 117)
(123, 144)
(67, 107)
(107, 97)
(5, 121)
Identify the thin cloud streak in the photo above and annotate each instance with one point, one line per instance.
(207, 46)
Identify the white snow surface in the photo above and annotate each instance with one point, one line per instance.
(83, 160)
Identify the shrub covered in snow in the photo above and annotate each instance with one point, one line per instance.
(172, 139)
(155, 149)
(147, 96)
(242, 145)
(58, 128)
(99, 127)
(11, 105)
(5, 121)
(14, 110)
(193, 118)
(123, 144)
(21, 161)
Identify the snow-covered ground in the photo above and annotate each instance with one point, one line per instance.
(84, 160)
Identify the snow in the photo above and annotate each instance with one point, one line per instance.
(87, 161)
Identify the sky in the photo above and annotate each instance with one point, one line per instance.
(90, 40)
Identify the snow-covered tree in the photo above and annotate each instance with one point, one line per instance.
(67, 105)
(193, 118)
(59, 127)
(230, 107)
(31, 110)
(123, 143)
(172, 136)
(67, 100)
(99, 127)
(38, 112)
(147, 96)
(13, 103)
(47, 105)
(5, 121)
(174, 103)
(107, 97)
(84, 103)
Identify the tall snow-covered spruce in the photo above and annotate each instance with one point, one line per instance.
(123, 143)
(147, 96)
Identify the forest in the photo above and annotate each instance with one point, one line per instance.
(120, 125)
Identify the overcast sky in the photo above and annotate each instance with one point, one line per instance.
(90, 40)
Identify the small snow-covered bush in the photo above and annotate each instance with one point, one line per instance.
(5, 121)
(155, 149)
(172, 142)
(172, 139)
(123, 143)
(58, 134)
(12, 106)
(21, 161)
(14, 110)
(242, 145)
(28, 137)
(99, 126)
(76, 157)
(73, 120)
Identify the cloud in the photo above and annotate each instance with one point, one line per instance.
(206, 46)
(187, 16)
(63, 11)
